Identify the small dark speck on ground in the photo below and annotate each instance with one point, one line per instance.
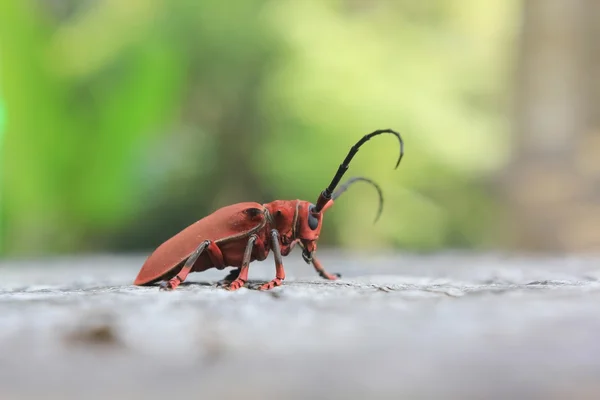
(395, 326)
(102, 332)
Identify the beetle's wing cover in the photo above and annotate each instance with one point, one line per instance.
(230, 221)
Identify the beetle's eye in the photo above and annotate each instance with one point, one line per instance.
(313, 222)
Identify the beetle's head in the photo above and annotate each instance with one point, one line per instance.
(308, 228)
(309, 218)
(296, 221)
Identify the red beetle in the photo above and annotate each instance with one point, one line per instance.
(236, 235)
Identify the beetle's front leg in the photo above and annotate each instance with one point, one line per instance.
(279, 271)
(319, 268)
(243, 275)
(321, 271)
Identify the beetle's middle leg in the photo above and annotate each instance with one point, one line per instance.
(243, 275)
(279, 271)
(213, 252)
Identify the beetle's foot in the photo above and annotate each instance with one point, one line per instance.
(328, 276)
(270, 285)
(235, 285)
(223, 283)
(232, 276)
(331, 277)
(170, 284)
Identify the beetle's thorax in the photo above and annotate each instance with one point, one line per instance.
(291, 219)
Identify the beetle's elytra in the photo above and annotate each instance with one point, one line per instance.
(236, 235)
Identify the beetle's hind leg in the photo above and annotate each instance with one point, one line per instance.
(213, 252)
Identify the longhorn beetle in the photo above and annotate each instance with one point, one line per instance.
(236, 235)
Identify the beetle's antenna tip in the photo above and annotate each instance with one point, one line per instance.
(401, 150)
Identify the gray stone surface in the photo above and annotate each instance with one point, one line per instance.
(444, 326)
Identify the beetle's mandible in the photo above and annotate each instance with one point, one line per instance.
(236, 235)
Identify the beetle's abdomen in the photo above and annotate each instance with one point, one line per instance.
(229, 227)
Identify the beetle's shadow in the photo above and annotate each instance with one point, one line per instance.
(185, 284)
(250, 284)
(206, 284)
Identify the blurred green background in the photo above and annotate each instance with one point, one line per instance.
(121, 122)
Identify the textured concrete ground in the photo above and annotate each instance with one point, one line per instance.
(446, 326)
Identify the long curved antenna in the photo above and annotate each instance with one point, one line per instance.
(325, 196)
(350, 181)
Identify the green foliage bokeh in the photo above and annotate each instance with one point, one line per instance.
(126, 121)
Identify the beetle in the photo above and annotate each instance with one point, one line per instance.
(238, 234)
